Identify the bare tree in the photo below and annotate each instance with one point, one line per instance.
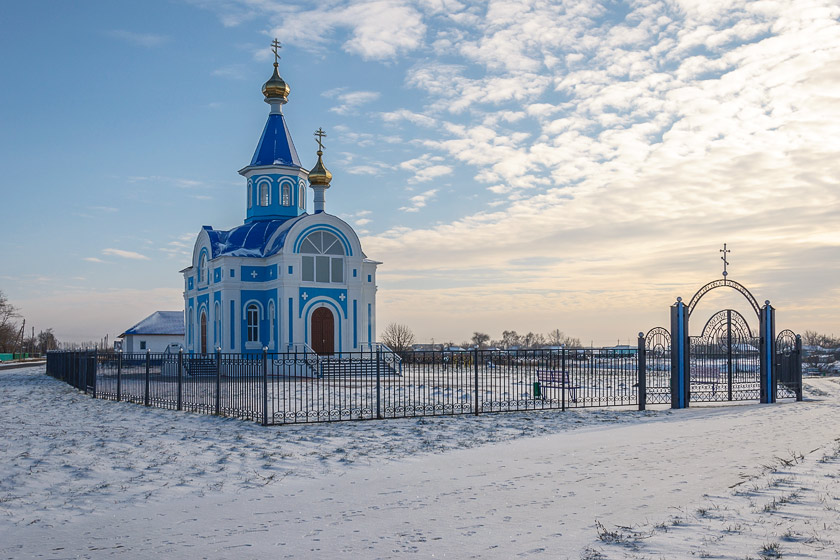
(398, 337)
(510, 339)
(559, 338)
(480, 339)
(46, 341)
(8, 326)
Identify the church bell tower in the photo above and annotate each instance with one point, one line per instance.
(276, 188)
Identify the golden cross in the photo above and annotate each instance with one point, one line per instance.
(320, 135)
(275, 46)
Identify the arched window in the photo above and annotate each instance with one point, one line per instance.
(271, 321)
(322, 267)
(252, 314)
(265, 198)
(202, 267)
(287, 194)
(302, 197)
(250, 193)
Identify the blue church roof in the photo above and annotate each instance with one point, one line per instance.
(159, 322)
(251, 239)
(276, 146)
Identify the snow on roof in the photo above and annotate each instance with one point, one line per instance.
(251, 240)
(276, 146)
(159, 322)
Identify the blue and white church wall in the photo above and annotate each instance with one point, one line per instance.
(242, 304)
(285, 279)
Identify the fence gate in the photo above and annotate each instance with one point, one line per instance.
(725, 360)
(788, 365)
(658, 365)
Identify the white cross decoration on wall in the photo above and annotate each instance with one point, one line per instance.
(342, 297)
(305, 296)
(254, 274)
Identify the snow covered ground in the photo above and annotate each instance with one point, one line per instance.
(88, 478)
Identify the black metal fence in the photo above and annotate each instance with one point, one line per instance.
(275, 388)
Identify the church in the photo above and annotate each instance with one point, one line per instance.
(285, 280)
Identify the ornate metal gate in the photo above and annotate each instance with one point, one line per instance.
(658, 365)
(725, 360)
(788, 365)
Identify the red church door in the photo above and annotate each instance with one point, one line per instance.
(323, 331)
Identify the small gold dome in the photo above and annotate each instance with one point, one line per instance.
(320, 175)
(276, 87)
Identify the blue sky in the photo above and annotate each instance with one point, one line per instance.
(521, 165)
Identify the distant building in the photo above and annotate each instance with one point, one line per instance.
(156, 333)
(285, 279)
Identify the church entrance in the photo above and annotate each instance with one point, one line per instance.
(203, 333)
(323, 331)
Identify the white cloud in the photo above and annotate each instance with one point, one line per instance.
(350, 101)
(377, 29)
(124, 254)
(410, 116)
(140, 39)
(419, 201)
(93, 260)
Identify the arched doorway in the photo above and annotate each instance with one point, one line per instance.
(203, 332)
(323, 331)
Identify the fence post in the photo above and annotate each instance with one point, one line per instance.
(81, 379)
(767, 346)
(146, 391)
(265, 387)
(180, 398)
(378, 383)
(680, 356)
(563, 378)
(798, 367)
(475, 364)
(218, 410)
(95, 369)
(642, 382)
(119, 375)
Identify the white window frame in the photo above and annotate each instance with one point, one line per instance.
(264, 193)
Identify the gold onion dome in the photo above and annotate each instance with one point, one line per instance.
(276, 87)
(320, 175)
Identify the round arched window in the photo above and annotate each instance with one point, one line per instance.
(322, 266)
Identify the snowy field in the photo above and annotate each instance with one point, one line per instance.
(90, 478)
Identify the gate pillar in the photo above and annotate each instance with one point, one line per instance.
(679, 355)
(767, 351)
(798, 368)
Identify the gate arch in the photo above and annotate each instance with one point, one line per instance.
(717, 324)
(724, 283)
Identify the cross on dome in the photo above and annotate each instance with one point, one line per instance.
(320, 134)
(276, 46)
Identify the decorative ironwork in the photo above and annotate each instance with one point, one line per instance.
(725, 361)
(718, 324)
(658, 342)
(658, 365)
(786, 342)
(724, 283)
